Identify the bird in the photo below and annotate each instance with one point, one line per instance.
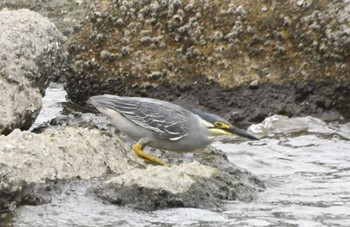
(163, 125)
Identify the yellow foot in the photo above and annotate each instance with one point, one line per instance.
(137, 148)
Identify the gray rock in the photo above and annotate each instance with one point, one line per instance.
(215, 53)
(35, 166)
(31, 53)
(66, 14)
(186, 185)
(29, 161)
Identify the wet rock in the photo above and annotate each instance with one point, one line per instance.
(213, 47)
(185, 185)
(36, 166)
(31, 53)
(202, 180)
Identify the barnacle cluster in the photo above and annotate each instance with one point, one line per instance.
(170, 42)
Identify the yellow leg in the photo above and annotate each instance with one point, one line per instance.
(137, 148)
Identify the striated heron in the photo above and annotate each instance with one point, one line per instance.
(162, 124)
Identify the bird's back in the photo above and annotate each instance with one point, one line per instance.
(163, 119)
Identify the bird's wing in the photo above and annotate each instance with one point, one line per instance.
(164, 121)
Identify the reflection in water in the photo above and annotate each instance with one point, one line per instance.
(304, 162)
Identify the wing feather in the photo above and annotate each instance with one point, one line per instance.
(165, 122)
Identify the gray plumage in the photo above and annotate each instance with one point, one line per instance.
(160, 124)
(165, 122)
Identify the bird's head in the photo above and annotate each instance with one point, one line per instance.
(218, 126)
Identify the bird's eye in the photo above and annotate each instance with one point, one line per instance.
(221, 125)
(218, 124)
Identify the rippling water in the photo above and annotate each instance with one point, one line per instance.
(304, 162)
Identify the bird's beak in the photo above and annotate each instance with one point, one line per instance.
(240, 132)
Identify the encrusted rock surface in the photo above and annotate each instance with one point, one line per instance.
(245, 59)
(35, 166)
(31, 52)
(31, 162)
(186, 185)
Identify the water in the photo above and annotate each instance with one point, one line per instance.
(51, 104)
(304, 162)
